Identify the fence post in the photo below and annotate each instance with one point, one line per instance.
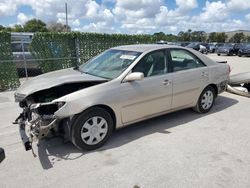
(24, 60)
(78, 61)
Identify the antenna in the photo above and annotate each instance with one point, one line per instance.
(66, 13)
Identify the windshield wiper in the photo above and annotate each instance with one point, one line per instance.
(95, 75)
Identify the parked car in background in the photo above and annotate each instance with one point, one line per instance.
(22, 57)
(184, 44)
(121, 86)
(162, 42)
(244, 50)
(229, 49)
(212, 47)
(199, 46)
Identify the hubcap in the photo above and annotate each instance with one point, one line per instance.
(207, 100)
(94, 130)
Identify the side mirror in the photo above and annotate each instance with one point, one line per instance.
(134, 76)
(2, 155)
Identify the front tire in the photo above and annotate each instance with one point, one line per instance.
(206, 100)
(92, 129)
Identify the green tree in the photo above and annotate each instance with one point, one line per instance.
(159, 36)
(2, 28)
(6, 29)
(212, 37)
(221, 37)
(17, 28)
(237, 38)
(184, 36)
(198, 36)
(171, 38)
(57, 27)
(247, 39)
(35, 25)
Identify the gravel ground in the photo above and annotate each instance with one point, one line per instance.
(181, 149)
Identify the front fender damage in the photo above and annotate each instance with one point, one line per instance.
(44, 113)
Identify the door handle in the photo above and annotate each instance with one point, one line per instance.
(166, 82)
(204, 74)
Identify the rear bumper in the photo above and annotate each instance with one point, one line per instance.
(222, 87)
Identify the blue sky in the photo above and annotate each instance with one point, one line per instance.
(132, 16)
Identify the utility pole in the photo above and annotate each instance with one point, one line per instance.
(66, 13)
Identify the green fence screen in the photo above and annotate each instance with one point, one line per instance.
(75, 45)
(8, 73)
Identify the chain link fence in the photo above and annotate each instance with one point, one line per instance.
(8, 73)
(47, 52)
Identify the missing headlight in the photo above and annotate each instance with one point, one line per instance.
(47, 109)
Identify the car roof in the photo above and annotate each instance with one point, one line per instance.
(144, 47)
(151, 47)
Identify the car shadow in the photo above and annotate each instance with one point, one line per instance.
(56, 149)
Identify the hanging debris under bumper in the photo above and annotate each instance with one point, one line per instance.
(25, 139)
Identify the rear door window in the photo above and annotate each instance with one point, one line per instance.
(184, 60)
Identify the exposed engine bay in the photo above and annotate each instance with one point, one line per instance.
(37, 119)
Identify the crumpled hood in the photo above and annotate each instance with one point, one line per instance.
(53, 79)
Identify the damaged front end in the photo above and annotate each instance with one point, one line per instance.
(37, 121)
(38, 118)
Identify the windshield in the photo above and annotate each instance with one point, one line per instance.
(228, 45)
(109, 64)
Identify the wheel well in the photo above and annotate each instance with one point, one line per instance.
(215, 88)
(109, 110)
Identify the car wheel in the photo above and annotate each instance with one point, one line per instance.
(218, 54)
(239, 54)
(206, 100)
(92, 129)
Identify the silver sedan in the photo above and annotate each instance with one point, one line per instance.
(121, 86)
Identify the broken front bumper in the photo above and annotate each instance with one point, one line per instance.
(25, 139)
(34, 129)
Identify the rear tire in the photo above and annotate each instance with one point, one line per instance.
(92, 129)
(206, 100)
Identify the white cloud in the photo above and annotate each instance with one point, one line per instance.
(248, 17)
(214, 12)
(7, 8)
(135, 9)
(76, 23)
(186, 5)
(134, 16)
(92, 9)
(238, 5)
(22, 18)
(100, 27)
